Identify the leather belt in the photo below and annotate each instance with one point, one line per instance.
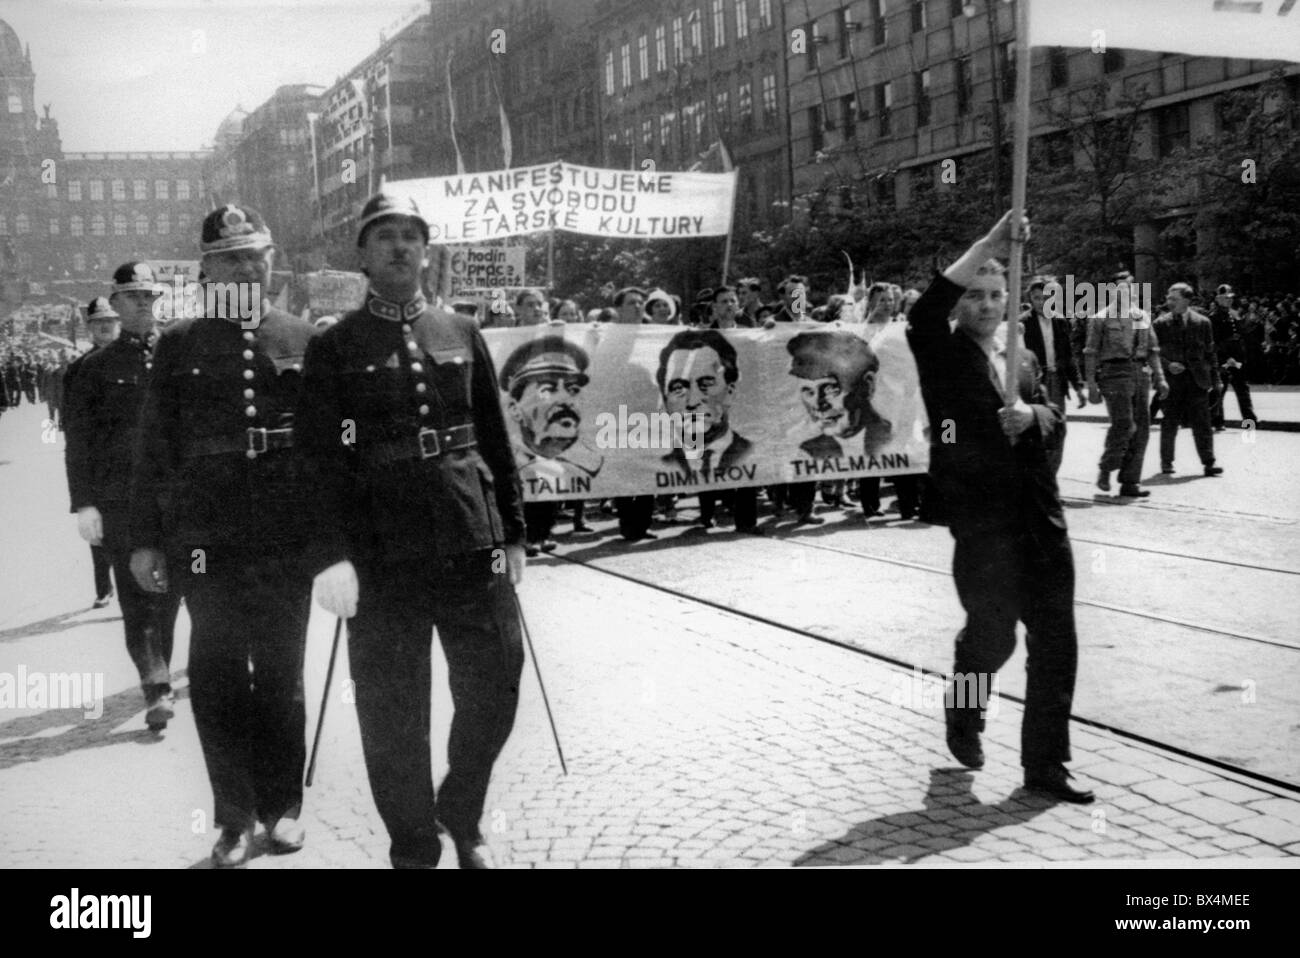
(1125, 360)
(253, 443)
(426, 444)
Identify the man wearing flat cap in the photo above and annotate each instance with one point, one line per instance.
(421, 526)
(217, 517)
(839, 371)
(102, 414)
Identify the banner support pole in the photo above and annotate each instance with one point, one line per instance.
(731, 225)
(1019, 183)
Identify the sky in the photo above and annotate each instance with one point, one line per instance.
(162, 74)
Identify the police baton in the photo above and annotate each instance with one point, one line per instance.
(532, 654)
(324, 699)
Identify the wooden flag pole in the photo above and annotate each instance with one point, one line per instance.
(731, 225)
(1019, 178)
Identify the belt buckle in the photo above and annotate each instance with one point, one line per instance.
(253, 435)
(424, 436)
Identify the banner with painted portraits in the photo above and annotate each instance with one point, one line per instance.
(602, 410)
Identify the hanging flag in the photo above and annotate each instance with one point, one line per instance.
(451, 122)
(1248, 29)
(507, 145)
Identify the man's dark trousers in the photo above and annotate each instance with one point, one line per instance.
(1186, 401)
(150, 622)
(1125, 388)
(249, 607)
(1237, 379)
(1025, 574)
(389, 643)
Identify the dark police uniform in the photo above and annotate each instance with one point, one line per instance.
(103, 403)
(98, 558)
(401, 419)
(220, 489)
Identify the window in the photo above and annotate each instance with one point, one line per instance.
(79, 261)
(816, 134)
(74, 189)
(160, 189)
(96, 189)
(119, 224)
(164, 224)
(1008, 57)
(661, 50)
(923, 98)
(722, 108)
(15, 103)
(609, 73)
(665, 129)
(183, 189)
(4, 225)
(76, 226)
(140, 189)
(1173, 128)
(955, 8)
(1112, 60)
(742, 19)
(963, 84)
(764, 13)
(810, 54)
(54, 227)
(769, 98)
(182, 222)
(1058, 68)
(719, 24)
(625, 61)
(141, 225)
(745, 106)
(643, 56)
(52, 191)
(119, 189)
(97, 225)
(22, 224)
(844, 32)
(648, 135)
(697, 33)
(879, 29)
(849, 115)
(918, 15)
(884, 104)
(677, 41)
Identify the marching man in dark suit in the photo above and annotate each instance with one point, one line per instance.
(103, 404)
(218, 517)
(1048, 337)
(1192, 370)
(422, 527)
(1012, 559)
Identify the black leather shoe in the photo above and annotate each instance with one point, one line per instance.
(287, 835)
(1103, 480)
(162, 709)
(1052, 781)
(1133, 491)
(232, 848)
(532, 550)
(808, 519)
(548, 545)
(1167, 469)
(1214, 470)
(751, 530)
(704, 523)
(474, 854)
(102, 600)
(963, 742)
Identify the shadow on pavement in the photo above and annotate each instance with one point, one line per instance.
(55, 623)
(83, 733)
(948, 807)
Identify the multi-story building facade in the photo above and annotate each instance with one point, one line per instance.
(374, 124)
(274, 173)
(885, 91)
(677, 76)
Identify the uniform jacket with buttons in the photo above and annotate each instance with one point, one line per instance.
(212, 380)
(102, 411)
(988, 484)
(377, 381)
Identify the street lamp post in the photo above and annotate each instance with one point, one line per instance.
(991, 22)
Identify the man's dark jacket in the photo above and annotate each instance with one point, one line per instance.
(987, 484)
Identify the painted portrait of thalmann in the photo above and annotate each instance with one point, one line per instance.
(544, 379)
(697, 376)
(837, 370)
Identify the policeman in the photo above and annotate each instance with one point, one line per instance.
(103, 405)
(1231, 346)
(102, 324)
(1121, 358)
(422, 526)
(218, 517)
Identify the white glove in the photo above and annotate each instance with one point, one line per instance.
(336, 590)
(90, 524)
